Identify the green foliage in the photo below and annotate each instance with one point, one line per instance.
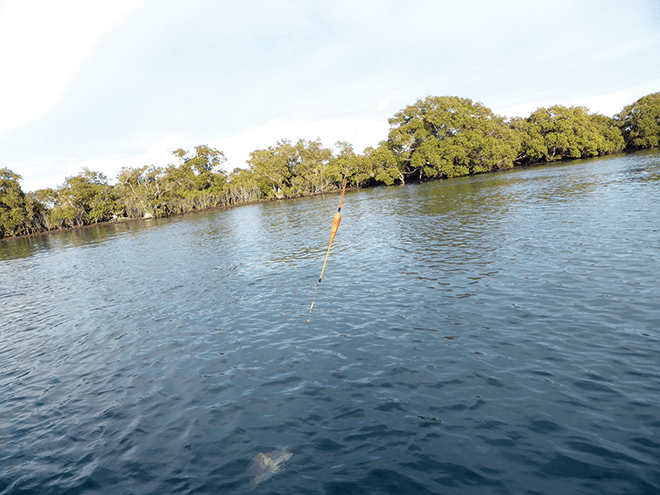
(19, 214)
(384, 165)
(559, 132)
(47, 200)
(197, 183)
(290, 170)
(640, 122)
(12, 204)
(448, 137)
(272, 170)
(313, 171)
(345, 163)
(140, 191)
(609, 137)
(436, 137)
(243, 187)
(198, 172)
(83, 199)
(205, 159)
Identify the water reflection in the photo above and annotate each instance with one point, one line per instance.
(21, 248)
(79, 238)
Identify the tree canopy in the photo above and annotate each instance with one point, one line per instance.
(560, 132)
(288, 170)
(437, 137)
(640, 122)
(19, 214)
(449, 136)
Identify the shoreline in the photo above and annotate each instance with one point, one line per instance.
(263, 201)
(123, 220)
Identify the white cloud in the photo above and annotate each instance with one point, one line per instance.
(52, 173)
(217, 70)
(42, 42)
(612, 103)
(606, 104)
(522, 110)
(361, 132)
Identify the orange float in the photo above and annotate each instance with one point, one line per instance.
(335, 226)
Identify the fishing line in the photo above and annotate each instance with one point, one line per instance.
(336, 220)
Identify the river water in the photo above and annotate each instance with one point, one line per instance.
(491, 334)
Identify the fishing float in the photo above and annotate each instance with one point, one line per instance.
(336, 220)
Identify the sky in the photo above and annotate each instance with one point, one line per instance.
(123, 83)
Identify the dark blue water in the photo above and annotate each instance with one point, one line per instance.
(494, 334)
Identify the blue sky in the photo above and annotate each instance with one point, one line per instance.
(124, 83)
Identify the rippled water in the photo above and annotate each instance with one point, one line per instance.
(493, 334)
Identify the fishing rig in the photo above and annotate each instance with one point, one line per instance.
(336, 220)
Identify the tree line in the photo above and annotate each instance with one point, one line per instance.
(437, 137)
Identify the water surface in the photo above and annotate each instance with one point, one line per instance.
(491, 334)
